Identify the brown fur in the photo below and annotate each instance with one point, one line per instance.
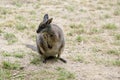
(50, 39)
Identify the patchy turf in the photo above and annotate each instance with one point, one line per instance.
(92, 33)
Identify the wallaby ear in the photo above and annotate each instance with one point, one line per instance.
(49, 21)
(45, 18)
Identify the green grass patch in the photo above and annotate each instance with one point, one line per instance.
(114, 52)
(110, 26)
(13, 54)
(95, 30)
(20, 17)
(76, 26)
(96, 49)
(117, 36)
(117, 43)
(107, 16)
(32, 12)
(107, 62)
(79, 38)
(19, 55)
(82, 10)
(4, 11)
(63, 74)
(116, 62)
(69, 8)
(117, 12)
(1, 31)
(118, 3)
(10, 66)
(98, 39)
(17, 3)
(78, 58)
(9, 23)
(76, 29)
(6, 54)
(5, 74)
(36, 61)
(21, 26)
(10, 37)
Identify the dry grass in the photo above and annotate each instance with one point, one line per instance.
(92, 33)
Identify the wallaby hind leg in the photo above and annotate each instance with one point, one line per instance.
(43, 59)
(63, 60)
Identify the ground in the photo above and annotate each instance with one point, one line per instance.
(92, 34)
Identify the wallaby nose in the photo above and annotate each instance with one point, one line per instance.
(37, 31)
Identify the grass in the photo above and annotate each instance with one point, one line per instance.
(36, 61)
(69, 8)
(118, 3)
(10, 37)
(20, 17)
(117, 43)
(32, 25)
(110, 26)
(8, 23)
(5, 54)
(79, 38)
(85, 37)
(107, 62)
(117, 36)
(79, 58)
(19, 55)
(112, 62)
(5, 74)
(96, 49)
(116, 62)
(21, 26)
(76, 29)
(114, 52)
(42, 74)
(82, 10)
(1, 31)
(4, 11)
(33, 37)
(32, 12)
(76, 26)
(13, 54)
(117, 12)
(17, 3)
(63, 74)
(57, 74)
(95, 30)
(10, 66)
(98, 39)
(107, 16)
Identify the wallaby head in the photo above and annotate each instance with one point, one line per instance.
(45, 23)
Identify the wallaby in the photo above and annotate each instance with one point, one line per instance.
(50, 39)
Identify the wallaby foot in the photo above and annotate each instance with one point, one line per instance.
(48, 58)
(45, 60)
(53, 57)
